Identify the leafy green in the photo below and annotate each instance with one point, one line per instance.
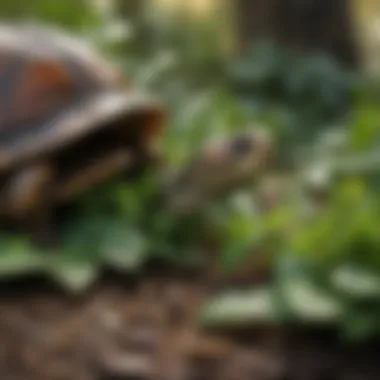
(233, 309)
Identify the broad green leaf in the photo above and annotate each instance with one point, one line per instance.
(309, 304)
(234, 308)
(18, 257)
(123, 247)
(356, 282)
(74, 275)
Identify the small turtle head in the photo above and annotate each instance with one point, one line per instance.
(221, 167)
(250, 152)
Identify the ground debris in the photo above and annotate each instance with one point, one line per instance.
(149, 331)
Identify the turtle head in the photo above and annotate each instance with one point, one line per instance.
(248, 154)
(221, 167)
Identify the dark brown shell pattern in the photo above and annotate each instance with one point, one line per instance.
(43, 73)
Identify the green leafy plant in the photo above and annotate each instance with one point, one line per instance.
(326, 267)
(75, 15)
(302, 94)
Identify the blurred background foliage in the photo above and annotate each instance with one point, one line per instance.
(71, 14)
(321, 234)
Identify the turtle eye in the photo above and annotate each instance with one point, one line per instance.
(242, 145)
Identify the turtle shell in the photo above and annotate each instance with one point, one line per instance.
(55, 89)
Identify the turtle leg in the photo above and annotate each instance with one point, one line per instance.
(29, 201)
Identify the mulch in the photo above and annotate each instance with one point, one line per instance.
(145, 327)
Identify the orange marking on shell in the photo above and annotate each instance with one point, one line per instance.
(44, 87)
(47, 78)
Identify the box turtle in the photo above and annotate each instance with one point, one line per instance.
(68, 122)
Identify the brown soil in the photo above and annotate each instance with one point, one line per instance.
(146, 328)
